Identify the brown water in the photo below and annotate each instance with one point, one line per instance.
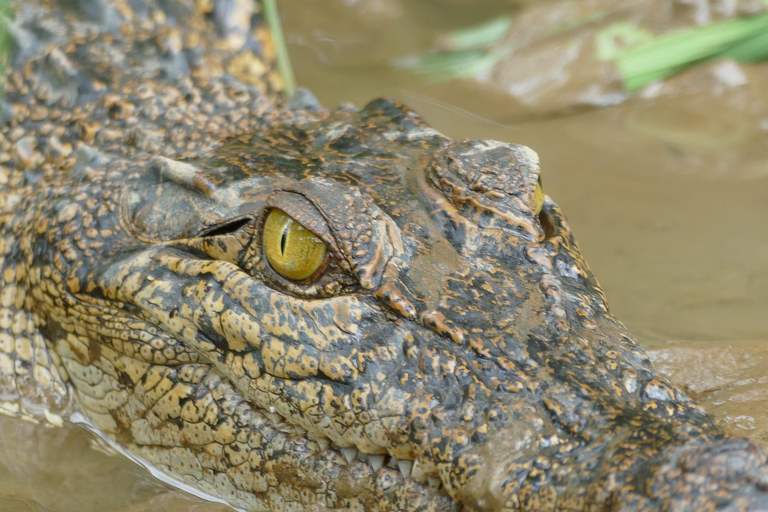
(668, 198)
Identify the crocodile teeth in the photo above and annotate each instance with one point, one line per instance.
(376, 461)
(405, 467)
(324, 444)
(350, 454)
(300, 430)
(417, 473)
(434, 482)
(275, 418)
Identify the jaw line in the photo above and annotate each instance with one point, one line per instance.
(235, 277)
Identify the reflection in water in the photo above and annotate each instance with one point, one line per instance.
(64, 470)
(674, 228)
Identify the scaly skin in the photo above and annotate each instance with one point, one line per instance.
(456, 352)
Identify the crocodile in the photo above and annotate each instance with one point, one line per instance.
(288, 307)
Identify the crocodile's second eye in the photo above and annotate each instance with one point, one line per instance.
(538, 197)
(292, 250)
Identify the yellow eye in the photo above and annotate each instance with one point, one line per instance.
(538, 196)
(292, 250)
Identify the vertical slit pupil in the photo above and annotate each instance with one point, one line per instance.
(284, 240)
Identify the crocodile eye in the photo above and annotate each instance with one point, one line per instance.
(292, 250)
(538, 197)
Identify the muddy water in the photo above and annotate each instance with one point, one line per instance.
(668, 198)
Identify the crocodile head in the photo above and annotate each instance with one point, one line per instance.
(445, 345)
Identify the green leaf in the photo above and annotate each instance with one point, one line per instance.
(445, 66)
(751, 50)
(272, 17)
(479, 36)
(672, 53)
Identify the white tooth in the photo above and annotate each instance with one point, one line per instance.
(417, 473)
(324, 444)
(325, 423)
(275, 418)
(392, 463)
(405, 467)
(434, 482)
(350, 454)
(301, 430)
(377, 461)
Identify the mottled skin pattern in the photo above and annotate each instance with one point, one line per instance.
(456, 352)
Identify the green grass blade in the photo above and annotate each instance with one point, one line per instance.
(479, 36)
(272, 17)
(669, 54)
(445, 66)
(5, 36)
(752, 50)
